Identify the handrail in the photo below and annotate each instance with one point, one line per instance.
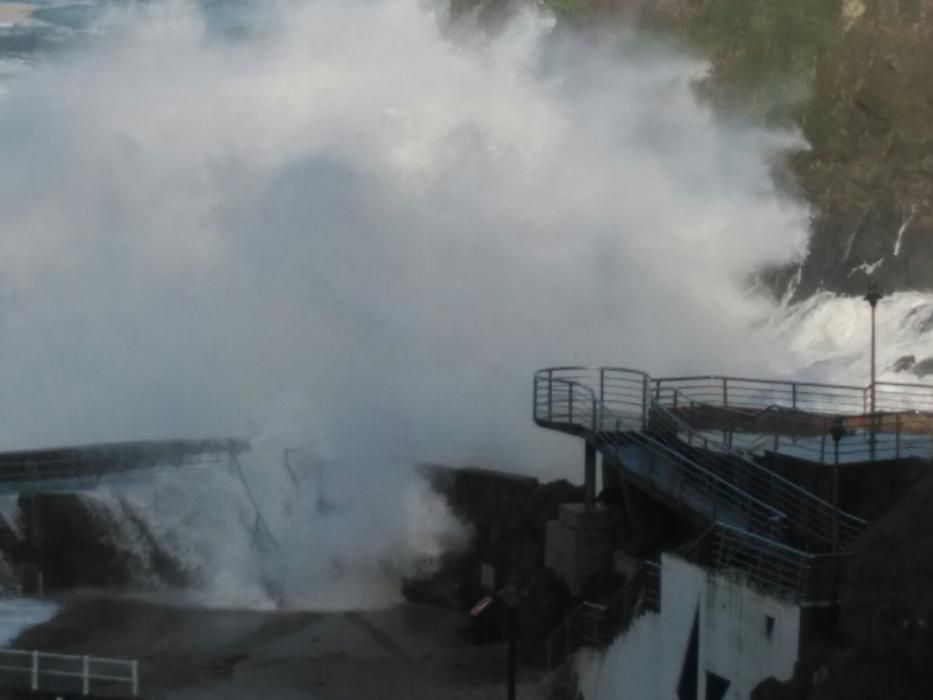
(101, 460)
(759, 380)
(720, 486)
(676, 423)
(68, 674)
(844, 399)
(802, 434)
(790, 572)
(634, 598)
(803, 508)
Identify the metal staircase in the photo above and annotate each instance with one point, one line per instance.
(595, 625)
(618, 411)
(694, 442)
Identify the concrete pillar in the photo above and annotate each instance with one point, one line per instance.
(589, 477)
(579, 544)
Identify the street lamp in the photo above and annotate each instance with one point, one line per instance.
(510, 596)
(872, 296)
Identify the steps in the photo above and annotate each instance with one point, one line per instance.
(620, 412)
(596, 625)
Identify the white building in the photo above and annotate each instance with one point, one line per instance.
(716, 637)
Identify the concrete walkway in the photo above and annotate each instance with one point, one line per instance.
(407, 652)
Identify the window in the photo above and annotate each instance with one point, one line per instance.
(769, 626)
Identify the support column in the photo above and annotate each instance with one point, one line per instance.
(589, 477)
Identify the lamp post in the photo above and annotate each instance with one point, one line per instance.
(510, 597)
(872, 296)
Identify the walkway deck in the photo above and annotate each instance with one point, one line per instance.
(95, 461)
(694, 443)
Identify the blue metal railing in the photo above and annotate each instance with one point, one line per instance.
(618, 411)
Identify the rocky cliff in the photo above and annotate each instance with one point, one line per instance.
(855, 77)
(883, 642)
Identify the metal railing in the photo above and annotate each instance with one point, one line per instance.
(678, 462)
(77, 676)
(95, 461)
(809, 436)
(778, 569)
(814, 438)
(621, 396)
(598, 624)
(742, 392)
(797, 418)
(802, 510)
(688, 439)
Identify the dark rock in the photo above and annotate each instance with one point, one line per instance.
(926, 324)
(904, 363)
(884, 638)
(508, 514)
(924, 367)
(77, 541)
(772, 689)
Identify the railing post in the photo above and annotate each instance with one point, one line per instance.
(570, 405)
(725, 392)
(897, 436)
(85, 675)
(34, 680)
(589, 477)
(134, 675)
(602, 394)
(550, 395)
(645, 388)
(793, 393)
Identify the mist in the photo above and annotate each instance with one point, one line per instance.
(347, 227)
(355, 230)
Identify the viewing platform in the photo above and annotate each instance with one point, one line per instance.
(706, 447)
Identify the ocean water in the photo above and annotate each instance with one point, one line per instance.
(19, 614)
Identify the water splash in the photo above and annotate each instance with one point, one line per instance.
(343, 228)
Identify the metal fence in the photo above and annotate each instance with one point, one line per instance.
(596, 625)
(95, 461)
(78, 676)
(694, 469)
(753, 416)
(777, 569)
(806, 421)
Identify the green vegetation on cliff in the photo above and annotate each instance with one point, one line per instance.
(764, 53)
(856, 78)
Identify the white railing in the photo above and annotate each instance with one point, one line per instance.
(83, 676)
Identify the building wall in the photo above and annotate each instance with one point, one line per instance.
(745, 636)
(628, 668)
(735, 641)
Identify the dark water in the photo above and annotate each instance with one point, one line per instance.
(71, 16)
(63, 25)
